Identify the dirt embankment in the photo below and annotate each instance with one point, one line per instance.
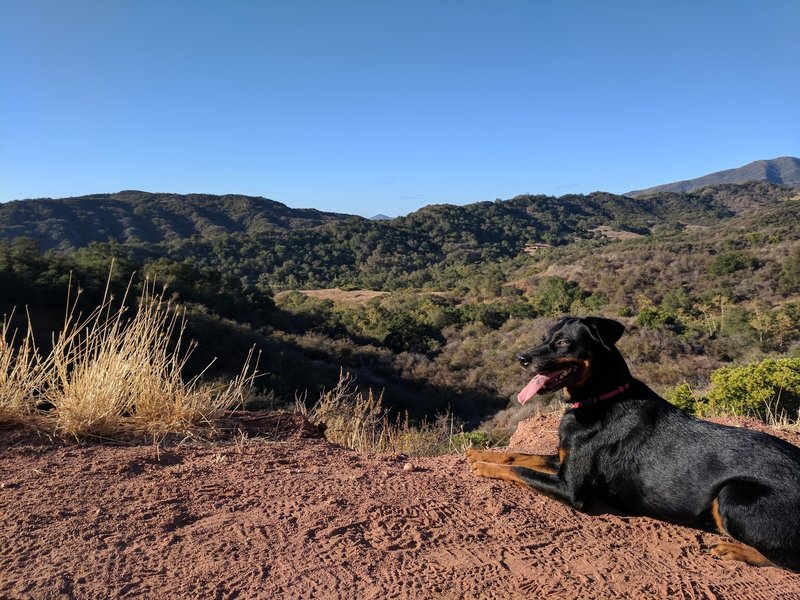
(301, 518)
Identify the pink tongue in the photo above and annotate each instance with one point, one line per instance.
(534, 386)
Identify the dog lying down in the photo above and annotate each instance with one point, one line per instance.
(621, 443)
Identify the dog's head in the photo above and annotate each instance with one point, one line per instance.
(576, 354)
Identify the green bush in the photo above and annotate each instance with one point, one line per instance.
(771, 385)
(653, 317)
(554, 296)
(473, 439)
(732, 261)
(683, 397)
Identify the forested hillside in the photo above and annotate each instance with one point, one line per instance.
(702, 280)
(145, 218)
(273, 247)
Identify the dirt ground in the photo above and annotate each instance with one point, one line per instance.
(302, 518)
(338, 295)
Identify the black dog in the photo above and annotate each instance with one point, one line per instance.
(621, 443)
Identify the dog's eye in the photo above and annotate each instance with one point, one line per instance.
(563, 343)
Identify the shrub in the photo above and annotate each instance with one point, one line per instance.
(683, 397)
(652, 317)
(727, 263)
(751, 389)
(493, 315)
(406, 334)
(554, 296)
(475, 439)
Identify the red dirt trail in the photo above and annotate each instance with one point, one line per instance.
(302, 518)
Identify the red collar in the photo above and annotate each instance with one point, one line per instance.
(596, 399)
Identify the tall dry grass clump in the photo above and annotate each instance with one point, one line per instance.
(21, 374)
(357, 420)
(113, 373)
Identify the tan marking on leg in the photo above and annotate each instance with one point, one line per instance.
(718, 518)
(486, 456)
(738, 551)
(735, 550)
(541, 463)
(496, 471)
(537, 462)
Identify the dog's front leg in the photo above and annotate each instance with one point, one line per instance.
(561, 486)
(544, 463)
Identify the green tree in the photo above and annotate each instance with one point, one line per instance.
(731, 261)
(409, 335)
(554, 296)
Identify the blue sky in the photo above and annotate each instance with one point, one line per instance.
(369, 106)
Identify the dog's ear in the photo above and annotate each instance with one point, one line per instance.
(607, 331)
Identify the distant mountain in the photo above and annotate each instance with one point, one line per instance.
(782, 171)
(143, 217)
(380, 217)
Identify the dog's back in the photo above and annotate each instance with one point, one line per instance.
(653, 459)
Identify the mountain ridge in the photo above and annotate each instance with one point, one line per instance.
(784, 170)
(149, 217)
(262, 240)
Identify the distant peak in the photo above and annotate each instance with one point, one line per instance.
(380, 217)
(784, 170)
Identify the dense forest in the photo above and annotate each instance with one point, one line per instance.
(273, 247)
(702, 280)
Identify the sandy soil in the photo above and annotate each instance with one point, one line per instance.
(302, 518)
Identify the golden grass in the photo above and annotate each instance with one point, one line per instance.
(360, 422)
(343, 296)
(21, 374)
(113, 373)
(778, 418)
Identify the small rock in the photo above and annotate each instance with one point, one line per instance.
(408, 467)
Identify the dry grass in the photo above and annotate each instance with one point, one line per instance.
(21, 374)
(359, 421)
(113, 373)
(778, 418)
(342, 296)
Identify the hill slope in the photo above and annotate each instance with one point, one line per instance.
(782, 171)
(265, 241)
(142, 217)
(149, 218)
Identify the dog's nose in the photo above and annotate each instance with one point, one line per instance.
(523, 360)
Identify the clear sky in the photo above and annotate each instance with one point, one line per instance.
(384, 106)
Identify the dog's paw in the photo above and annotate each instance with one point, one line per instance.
(737, 551)
(481, 469)
(724, 551)
(473, 455)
